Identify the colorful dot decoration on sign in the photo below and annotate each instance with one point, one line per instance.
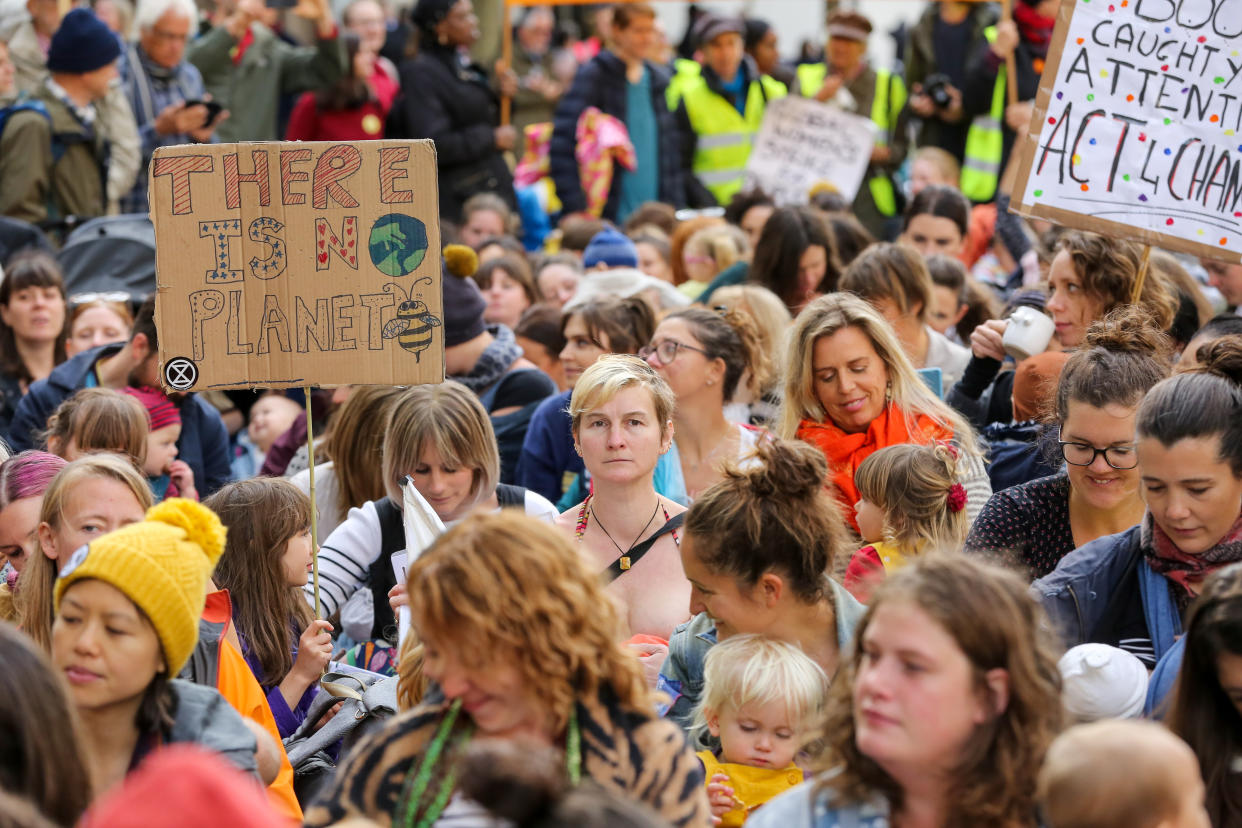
(1084, 188)
(1223, 241)
(1091, 96)
(1168, 221)
(1038, 193)
(1125, 177)
(1142, 198)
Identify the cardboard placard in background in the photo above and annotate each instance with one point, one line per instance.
(1137, 129)
(802, 143)
(282, 265)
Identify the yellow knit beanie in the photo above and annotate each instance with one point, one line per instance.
(161, 564)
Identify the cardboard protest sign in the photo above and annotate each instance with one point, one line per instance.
(1137, 130)
(802, 143)
(290, 264)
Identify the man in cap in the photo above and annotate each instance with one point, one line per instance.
(720, 112)
(54, 161)
(847, 79)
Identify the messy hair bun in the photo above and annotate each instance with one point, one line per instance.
(773, 516)
(1123, 356)
(1222, 357)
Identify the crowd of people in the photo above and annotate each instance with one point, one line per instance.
(896, 509)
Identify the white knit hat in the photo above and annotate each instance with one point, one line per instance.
(1102, 682)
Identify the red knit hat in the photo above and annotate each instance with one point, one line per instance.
(160, 410)
(187, 786)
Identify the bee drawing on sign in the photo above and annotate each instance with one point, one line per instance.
(412, 327)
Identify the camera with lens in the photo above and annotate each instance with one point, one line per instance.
(936, 87)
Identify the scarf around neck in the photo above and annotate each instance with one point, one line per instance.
(846, 451)
(1164, 557)
(1035, 28)
(494, 362)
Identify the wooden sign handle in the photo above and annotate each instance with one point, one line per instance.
(506, 57)
(1011, 64)
(1142, 274)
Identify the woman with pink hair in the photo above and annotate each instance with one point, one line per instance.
(23, 480)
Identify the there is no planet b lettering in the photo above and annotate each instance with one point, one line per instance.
(292, 264)
(1137, 130)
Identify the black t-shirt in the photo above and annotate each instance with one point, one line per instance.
(949, 44)
(1123, 624)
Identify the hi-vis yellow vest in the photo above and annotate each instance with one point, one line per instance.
(724, 136)
(985, 142)
(884, 112)
(685, 71)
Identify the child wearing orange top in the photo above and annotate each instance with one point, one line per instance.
(909, 503)
(761, 698)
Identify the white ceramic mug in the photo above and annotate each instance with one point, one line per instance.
(1028, 333)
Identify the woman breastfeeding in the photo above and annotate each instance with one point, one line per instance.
(704, 356)
(851, 390)
(622, 414)
(1034, 525)
(757, 550)
(1132, 590)
(441, 438)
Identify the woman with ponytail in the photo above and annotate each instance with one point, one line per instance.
(1034, 525)
(757, 550)
(704, 356)
(1132, 590)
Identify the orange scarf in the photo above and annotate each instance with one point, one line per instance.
(846, 451)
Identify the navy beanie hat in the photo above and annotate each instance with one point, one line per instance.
(463, 308)
(611, 247)
(82, 44)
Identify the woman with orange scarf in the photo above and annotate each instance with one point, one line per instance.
(851, 390)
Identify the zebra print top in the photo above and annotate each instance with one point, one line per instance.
(634, 755)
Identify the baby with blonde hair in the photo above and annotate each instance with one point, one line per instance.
(761, 698)
(1121, 773)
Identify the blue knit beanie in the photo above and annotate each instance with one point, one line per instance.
(611, 247)
(82, 44)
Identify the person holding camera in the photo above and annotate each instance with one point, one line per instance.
(247, 67)
(936, 70)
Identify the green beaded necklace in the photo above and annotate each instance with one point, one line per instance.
(417, 779)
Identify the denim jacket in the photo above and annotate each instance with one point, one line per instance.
(681, 677)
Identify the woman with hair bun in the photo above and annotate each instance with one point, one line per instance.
(1034, 525)
(757, 551)
(1132, 590)
(704, 356)
(943, 711)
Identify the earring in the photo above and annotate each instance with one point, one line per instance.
(888, 393)
(711, 382)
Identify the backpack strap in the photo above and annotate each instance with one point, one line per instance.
(510, 496)
(381, 577)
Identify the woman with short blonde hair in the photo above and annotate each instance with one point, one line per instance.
(851, 390)
(521, 640)
(622, 415)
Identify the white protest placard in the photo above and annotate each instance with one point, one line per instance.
(803, 143)
(1137, 130)
(288, 264)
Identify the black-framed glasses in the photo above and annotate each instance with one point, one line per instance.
(1121, 458)
(667, 351)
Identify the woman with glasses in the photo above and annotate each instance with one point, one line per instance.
(704, 356)
(621, 413)
(1132, 590)
(1034, 525)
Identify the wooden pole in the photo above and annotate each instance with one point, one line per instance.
(506, 58)
(310, 458)
(1011, 65)
(1142, 274)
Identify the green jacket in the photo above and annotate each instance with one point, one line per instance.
(38, 182)
(251, 90)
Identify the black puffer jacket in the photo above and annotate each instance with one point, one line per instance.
(453, 104)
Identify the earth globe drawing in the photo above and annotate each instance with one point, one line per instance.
(398, 244)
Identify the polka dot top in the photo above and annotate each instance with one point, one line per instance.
(1026, 526)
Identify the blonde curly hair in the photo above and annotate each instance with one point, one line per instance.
(506, 586)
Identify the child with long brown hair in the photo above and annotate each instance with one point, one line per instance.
(98, 419)
(910, 503)
(264, 567)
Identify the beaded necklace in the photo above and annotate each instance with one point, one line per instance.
(584, 517)
(418, 778)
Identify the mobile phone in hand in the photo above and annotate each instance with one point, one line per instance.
(213, 110)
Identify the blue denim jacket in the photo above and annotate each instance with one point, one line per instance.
(681, 677)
